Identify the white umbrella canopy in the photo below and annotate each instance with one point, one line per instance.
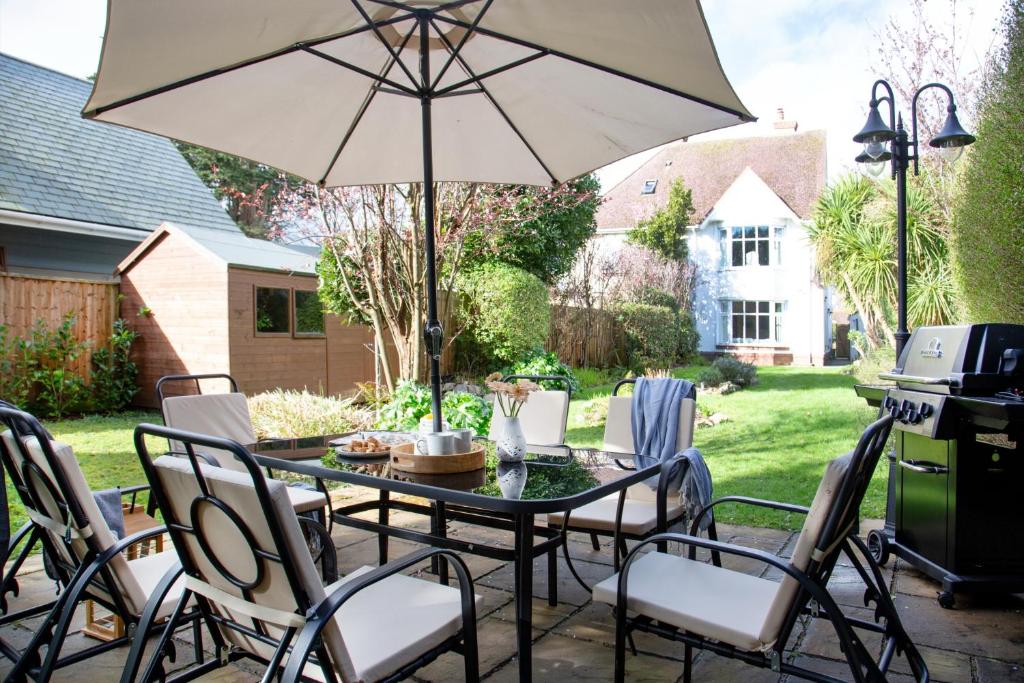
(359, 92)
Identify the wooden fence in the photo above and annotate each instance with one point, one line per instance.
(26, 299)
(584, 337)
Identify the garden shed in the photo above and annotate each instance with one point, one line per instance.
(213, 301)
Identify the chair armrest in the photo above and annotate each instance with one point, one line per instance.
(319, 616)
(744, 500)
(133, 489)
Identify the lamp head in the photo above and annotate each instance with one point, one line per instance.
(952, 139)
(875, 131)
(874, 165)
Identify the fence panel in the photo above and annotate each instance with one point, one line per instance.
(583, 337)
(25, 299)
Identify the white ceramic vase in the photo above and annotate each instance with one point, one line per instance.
(511, 446)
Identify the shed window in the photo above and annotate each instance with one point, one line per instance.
(272, 305)
(649, 187)
(309, 314)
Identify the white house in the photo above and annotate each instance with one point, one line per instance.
(757, 296)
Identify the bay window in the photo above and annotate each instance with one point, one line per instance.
(750, 322)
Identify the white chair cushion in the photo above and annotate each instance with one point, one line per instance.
(543, 418)
(222, 415)
(304, 500)
(720, 604)
(618, 427)
(394, 621)
(149, 569)
(638, 516)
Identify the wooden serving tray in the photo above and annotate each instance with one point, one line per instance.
(405, 458)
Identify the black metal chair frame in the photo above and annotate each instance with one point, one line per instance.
(74, 580)
(320, 486)
(671, 470)
(839, 535)
(306, 641)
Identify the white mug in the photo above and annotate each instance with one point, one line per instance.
(463, 439)
(436, 443)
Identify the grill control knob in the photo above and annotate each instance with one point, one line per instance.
(926, 410)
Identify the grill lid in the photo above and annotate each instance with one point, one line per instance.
(958, 359)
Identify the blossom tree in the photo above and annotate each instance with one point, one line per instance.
(372, 266)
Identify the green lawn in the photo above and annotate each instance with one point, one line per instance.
(779, 435)
(778, 438)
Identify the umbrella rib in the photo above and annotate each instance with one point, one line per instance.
(387, 46)
(93, 113)
(494, 103)
(377, 78)
(487, 74)
(462, 41)
(600, 67)
(362, 110)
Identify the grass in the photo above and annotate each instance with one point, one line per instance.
(775, 444)
(779, 435)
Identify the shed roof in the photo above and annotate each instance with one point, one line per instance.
(54, 163)
(231, 249)
(792, 165)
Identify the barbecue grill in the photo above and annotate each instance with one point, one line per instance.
(956, 479)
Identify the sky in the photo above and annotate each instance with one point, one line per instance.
(814, 58)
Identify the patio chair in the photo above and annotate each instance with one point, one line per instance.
(543, 418)
(227, 415)
(752, 619)
(246, 565)
(87, 561)
(639, 511)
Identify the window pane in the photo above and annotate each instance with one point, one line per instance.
(737, 306)
(762, 327)
(762, 252)
(750, 326)
(750, 258)
(309, 313)
(762, 231)
(762, 306)
(778, 328)
(737, 233)
(778, 307)
(749, 232)
(272, 310)
(737, 327)
(750, 306)
(737, 254)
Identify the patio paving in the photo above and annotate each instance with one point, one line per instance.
(982, 641)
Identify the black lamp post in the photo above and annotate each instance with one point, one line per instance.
(889, 142)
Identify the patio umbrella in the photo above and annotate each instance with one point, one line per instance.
(358, 92)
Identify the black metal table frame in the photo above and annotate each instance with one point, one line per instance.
(500, 513)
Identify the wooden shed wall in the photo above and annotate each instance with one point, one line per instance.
(186, 329)
(330, 364)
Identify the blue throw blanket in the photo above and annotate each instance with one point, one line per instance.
(109, 503)
(655, 422)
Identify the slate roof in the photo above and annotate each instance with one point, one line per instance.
(792, 165)
(54, 163)
(234, 249)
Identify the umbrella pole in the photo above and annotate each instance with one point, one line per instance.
(432, 332)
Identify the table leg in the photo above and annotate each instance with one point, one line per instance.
(439, 527)
(382, 518)
(524, 595)
(553, 576)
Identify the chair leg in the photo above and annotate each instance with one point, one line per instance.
(470, 657)
(568, 561)
(553, 576)
(145, 624)
(620, 648)
(594, 542)
(687, 663)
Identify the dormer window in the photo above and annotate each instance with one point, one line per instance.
(649, 187)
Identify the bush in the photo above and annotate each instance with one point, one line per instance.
(410, 402)
(17, 362)
(655, 297)
(728, 369)
(595, 377)
(113, 372)
(59, 390)
(541, 363)
(689, 338)
(652, 334)
(871, 362)
(290, 414)
(505, 309)
(988, 244)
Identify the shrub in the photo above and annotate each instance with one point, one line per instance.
(113, 373)
(540, 362)
(655, 297)
(595, 377)
(290, 414)
(59, 390)
(988, 244)
(651, 332)
(17, 362)
(505, 309)
(689, 338)
(871, 362)
(728, 369)
(410, 402)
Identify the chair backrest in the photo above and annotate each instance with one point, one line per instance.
(222, 415)
(833, 514)
(240, 545)
(618, 427)
(543, 417)
(59, 501)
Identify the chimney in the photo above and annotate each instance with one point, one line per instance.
(782, 124)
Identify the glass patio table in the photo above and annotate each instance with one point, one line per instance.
(498, 496)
